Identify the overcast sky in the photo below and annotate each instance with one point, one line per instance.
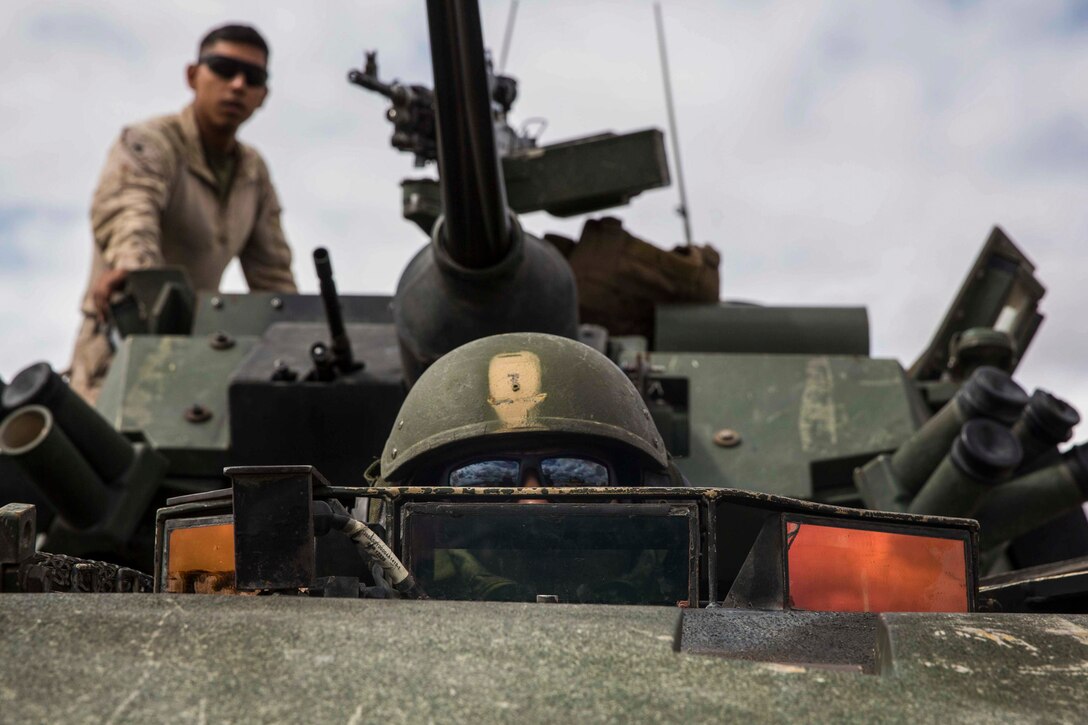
(836, 153)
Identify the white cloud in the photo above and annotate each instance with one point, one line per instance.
(846, 153)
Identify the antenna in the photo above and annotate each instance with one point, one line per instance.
(508, 34)
(682, 210)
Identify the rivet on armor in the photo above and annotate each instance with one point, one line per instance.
(220, 341)
(197, 413)
(727, 438)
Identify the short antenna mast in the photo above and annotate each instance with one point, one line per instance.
(508, 35)
(682, 210)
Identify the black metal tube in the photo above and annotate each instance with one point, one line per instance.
(31, 438)
(477, 229)
(341, 344)
(108, 452)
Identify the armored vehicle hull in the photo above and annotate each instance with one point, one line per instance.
(155, 658)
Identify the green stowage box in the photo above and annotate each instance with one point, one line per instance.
(587, 174)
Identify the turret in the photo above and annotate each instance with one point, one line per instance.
(481, 274)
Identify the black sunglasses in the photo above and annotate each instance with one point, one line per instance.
(229, 68)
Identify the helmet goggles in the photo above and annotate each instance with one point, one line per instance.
(514, 471)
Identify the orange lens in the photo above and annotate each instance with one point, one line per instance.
(854, 570)
(200, 559)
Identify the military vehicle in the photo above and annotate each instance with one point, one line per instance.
(850, 540)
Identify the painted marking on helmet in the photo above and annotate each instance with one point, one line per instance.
(514, 382)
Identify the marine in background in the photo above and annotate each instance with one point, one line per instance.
(181, 190)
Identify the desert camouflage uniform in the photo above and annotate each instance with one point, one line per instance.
(159, 203)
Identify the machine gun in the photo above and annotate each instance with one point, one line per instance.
(413, 112)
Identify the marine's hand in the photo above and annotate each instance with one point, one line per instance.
(109, 282)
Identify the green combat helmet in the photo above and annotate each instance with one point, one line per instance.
(506, 397)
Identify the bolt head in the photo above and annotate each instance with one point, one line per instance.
(727, 438)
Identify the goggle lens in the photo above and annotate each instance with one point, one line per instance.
(566, 471)
(486, 473)
(573, 472)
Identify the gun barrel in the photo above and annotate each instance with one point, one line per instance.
(31, 438)
(370, 83)
(481, 275)
(341, 344)
(477, 232)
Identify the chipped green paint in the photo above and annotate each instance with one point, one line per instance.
(793, 413)
(816, 424)
(156, 378)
